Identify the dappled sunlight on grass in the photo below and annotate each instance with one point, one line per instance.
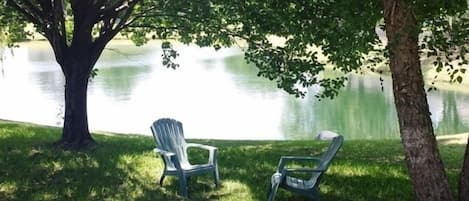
(52, 168)
(236, 189)
(47, 196)
(350, 169)
(125, 168)
(8, 189)
(83, 161)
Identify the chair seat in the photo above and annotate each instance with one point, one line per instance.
(193, 168)
(197, 167)
(299, 183)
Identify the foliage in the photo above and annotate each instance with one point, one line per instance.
(345, 32)
(124, 167)
(286, 39)
(445, 38)
(9, 34)
(67, 22)
(339, 30)
(15, 29)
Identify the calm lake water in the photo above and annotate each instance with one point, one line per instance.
(214, 93)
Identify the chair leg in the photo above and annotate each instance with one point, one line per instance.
(217, 177)
(183, 186)
(317, 198)
(315, 195)
(162, 179)
(273, 191)
(274, 183)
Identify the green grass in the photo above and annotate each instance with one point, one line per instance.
(125, 168)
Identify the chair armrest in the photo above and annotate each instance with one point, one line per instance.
(300, 158)
(163, 152)
(212, 158)
(168, 157)
(289, 170)
(202, 146)
(285, 159)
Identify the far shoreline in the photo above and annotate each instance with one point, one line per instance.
(429, 72)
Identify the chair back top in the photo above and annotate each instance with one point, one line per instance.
(169, 136)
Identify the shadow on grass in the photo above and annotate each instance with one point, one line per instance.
(351, 177)
(125, 168)
(121, 168)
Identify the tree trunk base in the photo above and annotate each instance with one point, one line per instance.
(81, 145)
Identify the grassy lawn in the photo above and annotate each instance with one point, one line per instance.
(125, 168)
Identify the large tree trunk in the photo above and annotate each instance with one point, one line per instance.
(421, 154)
(95, 23)
(464, 177)
(75, 133)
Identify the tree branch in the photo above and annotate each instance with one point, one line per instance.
(107, 33)
(150, 26)
(34, 10)
(30, 15)
(57, 32)
(105, 10)
(126, 15)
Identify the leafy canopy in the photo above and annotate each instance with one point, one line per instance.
(344, 32)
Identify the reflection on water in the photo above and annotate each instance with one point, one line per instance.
(361, 110)
(452, 113)
(119, 82)
(215, 94)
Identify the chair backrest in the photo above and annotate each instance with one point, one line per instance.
(332, 150)
(169, 136)
(327, 156)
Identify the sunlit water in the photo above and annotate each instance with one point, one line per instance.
(214, 93)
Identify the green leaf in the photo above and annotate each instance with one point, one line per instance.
(459, 79)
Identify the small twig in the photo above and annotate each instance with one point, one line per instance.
(127, 56)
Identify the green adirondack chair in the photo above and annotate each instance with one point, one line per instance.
(172, 147)
(307, 187)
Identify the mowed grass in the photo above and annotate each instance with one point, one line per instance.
(125, 168)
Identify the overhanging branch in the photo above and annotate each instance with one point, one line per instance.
(30, 15)
(109, 30)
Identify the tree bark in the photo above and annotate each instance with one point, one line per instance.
(463, 186)
(425, 167)
(75, 133)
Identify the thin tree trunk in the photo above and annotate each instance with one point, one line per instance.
(75, 134)
(464, 177)
(425, 167)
